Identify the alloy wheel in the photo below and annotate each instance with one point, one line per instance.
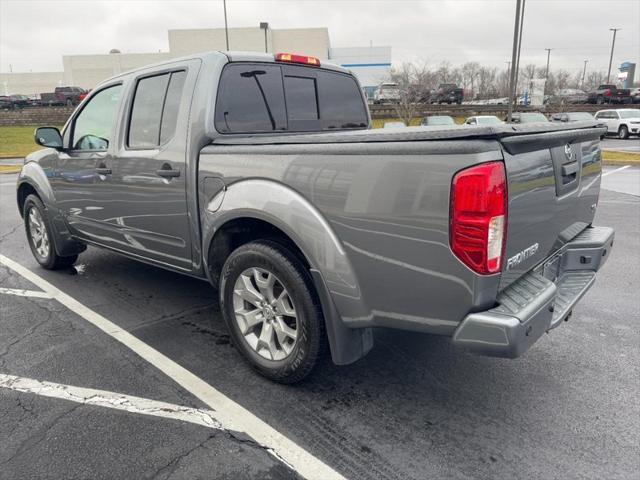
(265, 314)
(38, 232)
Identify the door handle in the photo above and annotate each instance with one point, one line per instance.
(102, 169)
(167, 172)
(570, 169)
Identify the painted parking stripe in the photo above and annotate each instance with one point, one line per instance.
(24, 293)
(117, 401)
(231, 415)
(615, 170)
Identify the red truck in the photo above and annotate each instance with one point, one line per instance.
(609, 94)
(69, 96)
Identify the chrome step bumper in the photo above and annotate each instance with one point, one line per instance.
(534, 304)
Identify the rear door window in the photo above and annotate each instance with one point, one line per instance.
(154, 111)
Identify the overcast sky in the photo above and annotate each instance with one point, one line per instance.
(35, 34)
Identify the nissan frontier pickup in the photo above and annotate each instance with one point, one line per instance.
(260, 174)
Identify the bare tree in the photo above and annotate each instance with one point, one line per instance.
(409, 92)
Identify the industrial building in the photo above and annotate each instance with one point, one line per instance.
(371, 64)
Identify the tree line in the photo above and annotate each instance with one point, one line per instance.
(480, 82)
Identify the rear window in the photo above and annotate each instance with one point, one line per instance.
(259, 98)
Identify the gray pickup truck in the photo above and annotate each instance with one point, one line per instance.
(260, 174)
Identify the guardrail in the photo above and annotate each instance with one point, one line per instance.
(467, 109)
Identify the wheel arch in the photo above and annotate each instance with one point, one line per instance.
(259, 209)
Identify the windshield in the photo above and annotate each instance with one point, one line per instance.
(577, 116)
(489, 121)
(532, 117)
(630, 113)
(440, 120)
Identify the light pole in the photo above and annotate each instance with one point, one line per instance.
(613, 44)
(514, 55)
(226, 27)
(584, 71)
(519, 44)
(546, 75)
(265, 26)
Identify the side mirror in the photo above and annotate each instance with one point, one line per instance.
(48, 137)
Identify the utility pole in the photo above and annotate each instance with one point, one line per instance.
(226, 27)
(546, 75)
(613, 44)
(519, 45)
(514, 54)
(584, 71)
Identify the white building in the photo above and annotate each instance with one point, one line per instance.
(370, 64)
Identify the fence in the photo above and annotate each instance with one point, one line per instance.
(58, 115)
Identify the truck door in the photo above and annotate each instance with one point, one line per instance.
(82, 179)
(150, 203)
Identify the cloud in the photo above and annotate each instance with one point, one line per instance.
(35, 34)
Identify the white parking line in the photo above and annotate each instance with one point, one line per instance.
(24, 293)
(117, 401)
(231, 415)
(615, 170)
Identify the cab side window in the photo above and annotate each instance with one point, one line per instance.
(93, 127)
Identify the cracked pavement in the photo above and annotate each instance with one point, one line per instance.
(413, 408)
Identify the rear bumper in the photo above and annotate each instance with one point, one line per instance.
(539, 300)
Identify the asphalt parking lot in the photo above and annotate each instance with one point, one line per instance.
(414, 408)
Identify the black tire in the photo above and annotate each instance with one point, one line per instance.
(311, 342)
(50, 261)
(623, 132)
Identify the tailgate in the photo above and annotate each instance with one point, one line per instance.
(553, 183)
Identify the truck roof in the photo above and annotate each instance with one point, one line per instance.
(231, 56)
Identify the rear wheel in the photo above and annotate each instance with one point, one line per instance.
(40, 237)
(271, 310)
(623, 132)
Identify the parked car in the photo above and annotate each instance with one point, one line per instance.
(447, 93)
(14, 102)
(259, 173)
(483, 120)
(609, 93)
(572, 117)
(635, 95)
(386, 93)
(568, 96)
(437, 120)
(69, 96)
(394, 125)
(622, 122)
(528, 117)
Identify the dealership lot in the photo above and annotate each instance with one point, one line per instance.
(413, 408)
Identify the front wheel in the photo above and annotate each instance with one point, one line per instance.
(623, 132)
(272, 312)
(40, 237)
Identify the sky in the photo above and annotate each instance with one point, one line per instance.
(34, 34)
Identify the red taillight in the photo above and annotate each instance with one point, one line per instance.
(291, 58)
(479, 216)
(607, 93)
